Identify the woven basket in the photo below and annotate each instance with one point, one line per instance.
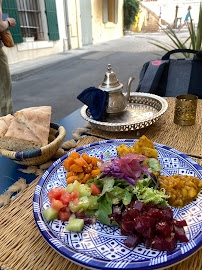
(41, 155)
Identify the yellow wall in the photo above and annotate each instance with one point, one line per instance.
(106, 31)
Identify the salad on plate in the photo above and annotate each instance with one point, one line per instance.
(122, 191)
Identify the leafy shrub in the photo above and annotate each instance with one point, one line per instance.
(131, 8)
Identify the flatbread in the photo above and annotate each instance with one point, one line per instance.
(18, 137)
(36, 119)
(5, 122)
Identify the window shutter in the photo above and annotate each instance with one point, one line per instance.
(116, 11)
(52, 21)
(10, 7)
(105, 11)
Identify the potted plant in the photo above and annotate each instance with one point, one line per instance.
(28, 38)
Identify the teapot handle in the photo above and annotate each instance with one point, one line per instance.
(128, 87)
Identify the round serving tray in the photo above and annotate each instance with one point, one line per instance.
(143, 110)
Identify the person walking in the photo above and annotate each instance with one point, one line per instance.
(6, 106)
(187, 19)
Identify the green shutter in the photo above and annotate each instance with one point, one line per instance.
(10, 7)
(52, 21)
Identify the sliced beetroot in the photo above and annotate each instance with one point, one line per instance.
(180, 234)
(152, 224)
(133, 213)
(169, 243)
(155, 213)
(158, 243)
(138, 205)
(124, 232)
(179, 223)
(167, 214)
(140, 224)
(132, 240)
(150, 221)
(163, 228)
(147, 242)
(148, 234)
(126, 216)
(128, 226)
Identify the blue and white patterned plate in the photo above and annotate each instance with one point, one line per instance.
(100, 246)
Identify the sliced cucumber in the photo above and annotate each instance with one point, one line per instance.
(93, 204)
(84, 202)
(69, 188)
(75, 225)
(73, 186)
(50, 214)
(84, 190)
(74, 207)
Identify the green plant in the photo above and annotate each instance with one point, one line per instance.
(131, 8)
(194, 40)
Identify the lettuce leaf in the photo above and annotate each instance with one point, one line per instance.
(149, 194)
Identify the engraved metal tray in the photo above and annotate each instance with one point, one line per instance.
(143, 110)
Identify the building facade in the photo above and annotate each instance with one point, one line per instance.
(46, 27)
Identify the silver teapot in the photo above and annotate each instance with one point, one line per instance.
(116, 101)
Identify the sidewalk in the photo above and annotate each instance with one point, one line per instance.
(29, 67)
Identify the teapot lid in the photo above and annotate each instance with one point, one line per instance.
(110, 82)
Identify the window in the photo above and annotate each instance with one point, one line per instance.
(30, 18)
(110, 11)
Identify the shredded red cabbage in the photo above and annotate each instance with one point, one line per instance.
(147, 172)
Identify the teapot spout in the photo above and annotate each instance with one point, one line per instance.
(128, 87)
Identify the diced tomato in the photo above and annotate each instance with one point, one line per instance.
(55, 193)
(57, 204)
(65, 198)
(76, 201)
(64, 214)
(95, 189)
(74, 194)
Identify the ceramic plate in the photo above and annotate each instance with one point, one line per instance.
(100, 246)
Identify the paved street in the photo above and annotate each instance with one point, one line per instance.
(58, 79)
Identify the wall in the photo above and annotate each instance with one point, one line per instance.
(106, 31)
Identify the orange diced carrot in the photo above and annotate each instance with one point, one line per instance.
(70, 174)
(87, 158)
(76, 168)
(81, 162)
(80, 176)
(68, 163)
(74, 155)
(87, 169)
(94, 173)
(86, 178)
(71, 179)
(94, 161)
